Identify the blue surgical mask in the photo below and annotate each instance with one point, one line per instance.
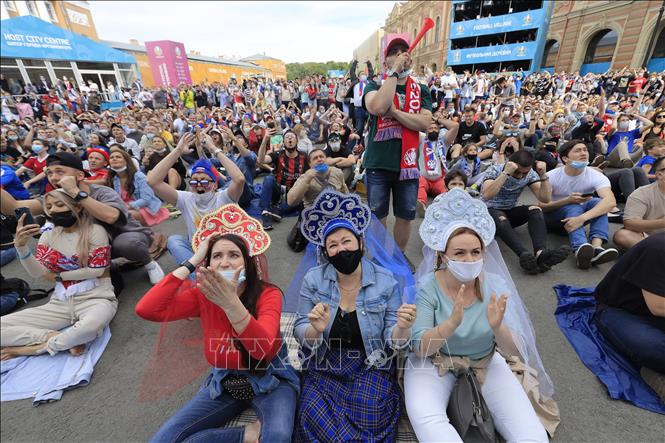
(229, 274)
(37, 148)
(578, 164)
(321, 168)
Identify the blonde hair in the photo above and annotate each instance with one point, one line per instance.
(84, 220)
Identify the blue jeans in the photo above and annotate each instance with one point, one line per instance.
(8, 302)
(271, 193)
(180, 248)
(640, 339)
(7, 256)
(598, 227)
(380, 184)
(200, 419)
(361, 118)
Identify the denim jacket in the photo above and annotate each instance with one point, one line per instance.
(143, 193)
(279, 370)
(376, 306)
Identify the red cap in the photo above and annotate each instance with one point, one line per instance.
(397, 39)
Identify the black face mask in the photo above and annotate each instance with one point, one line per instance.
(346, 261)
(63, 219)
(472, 157)
(433, 136)
(270, 125)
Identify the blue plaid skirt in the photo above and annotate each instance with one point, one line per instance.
(342, 399)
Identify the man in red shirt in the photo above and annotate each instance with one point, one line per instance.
(635, 86)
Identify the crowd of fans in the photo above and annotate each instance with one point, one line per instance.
(591, 149)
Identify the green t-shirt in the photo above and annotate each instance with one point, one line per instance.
(387, 154)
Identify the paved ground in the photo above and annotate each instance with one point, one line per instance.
(108, 409)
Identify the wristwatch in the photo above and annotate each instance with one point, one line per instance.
(82, 195)
(391, 73)
(57, 278)
(188, 265)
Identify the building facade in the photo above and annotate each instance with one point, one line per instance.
(498, 36)
(407, 17)
(593, 36)
(370, 49)
(202, 69)
(275, 67)
(74, 16)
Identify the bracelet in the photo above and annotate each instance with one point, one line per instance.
(23, 257)
(242, 319)
(217, 151)
(547, 177)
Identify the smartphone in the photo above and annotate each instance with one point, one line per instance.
(29, 220)
(588, 194)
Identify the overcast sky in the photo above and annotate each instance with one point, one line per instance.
(290, 31)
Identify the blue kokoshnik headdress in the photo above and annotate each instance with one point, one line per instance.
(333, 210)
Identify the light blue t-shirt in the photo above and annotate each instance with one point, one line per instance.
(473, 338)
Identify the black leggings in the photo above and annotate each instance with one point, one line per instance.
(507, 219)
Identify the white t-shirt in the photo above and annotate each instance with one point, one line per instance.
(193, 212)
(588, 181)
(449, 83)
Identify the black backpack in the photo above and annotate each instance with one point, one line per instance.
(22, 288)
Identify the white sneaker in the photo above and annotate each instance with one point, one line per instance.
(155, 272)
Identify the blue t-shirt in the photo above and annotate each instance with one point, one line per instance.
(12, 184)
(647, 160)
(628, 136)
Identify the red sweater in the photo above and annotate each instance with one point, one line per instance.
(174, 299)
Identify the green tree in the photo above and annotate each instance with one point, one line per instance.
(300, 70)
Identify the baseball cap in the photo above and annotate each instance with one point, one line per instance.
(396, 40)
(205, 167)
(65, 159)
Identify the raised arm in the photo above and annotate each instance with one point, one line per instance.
(157, 175)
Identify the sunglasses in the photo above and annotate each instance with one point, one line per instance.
(204, 183)
(660, 116)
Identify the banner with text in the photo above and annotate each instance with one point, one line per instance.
(490, 54)
(168, 62)
(496, 25)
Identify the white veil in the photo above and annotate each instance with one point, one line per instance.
(456, 211)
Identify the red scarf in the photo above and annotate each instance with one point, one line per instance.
(388, 128)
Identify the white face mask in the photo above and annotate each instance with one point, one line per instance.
(560, 120)
(465, 271)
(204, 200)
(123, 169)
(623, 126)
(229, 274)
(405, 73)
(335, 147)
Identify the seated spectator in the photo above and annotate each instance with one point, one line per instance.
(622, 152)
(573, 205)
(76, 256)
(10, 182)
(204, 196)
(156, 153)
(507, 146)
(98, 161)
(433, 148)
(348, 335)
(340, 156)
(288, 165)
(547, 148)
(455, 179)
(120, 138)
(630, 311)
(240, 318)
(36, 165)
(501, 188)
(318, 177)
(129, 239)
(469, 164)
(471, 131)
(461, 325)
(304, 143)
(653, 149)
(645, 210)
(245, 159)
(133, 187)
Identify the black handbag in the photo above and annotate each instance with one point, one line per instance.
(468, 412)
(296, 240)
(238, 386)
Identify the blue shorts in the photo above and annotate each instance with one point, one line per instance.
(380, 183)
